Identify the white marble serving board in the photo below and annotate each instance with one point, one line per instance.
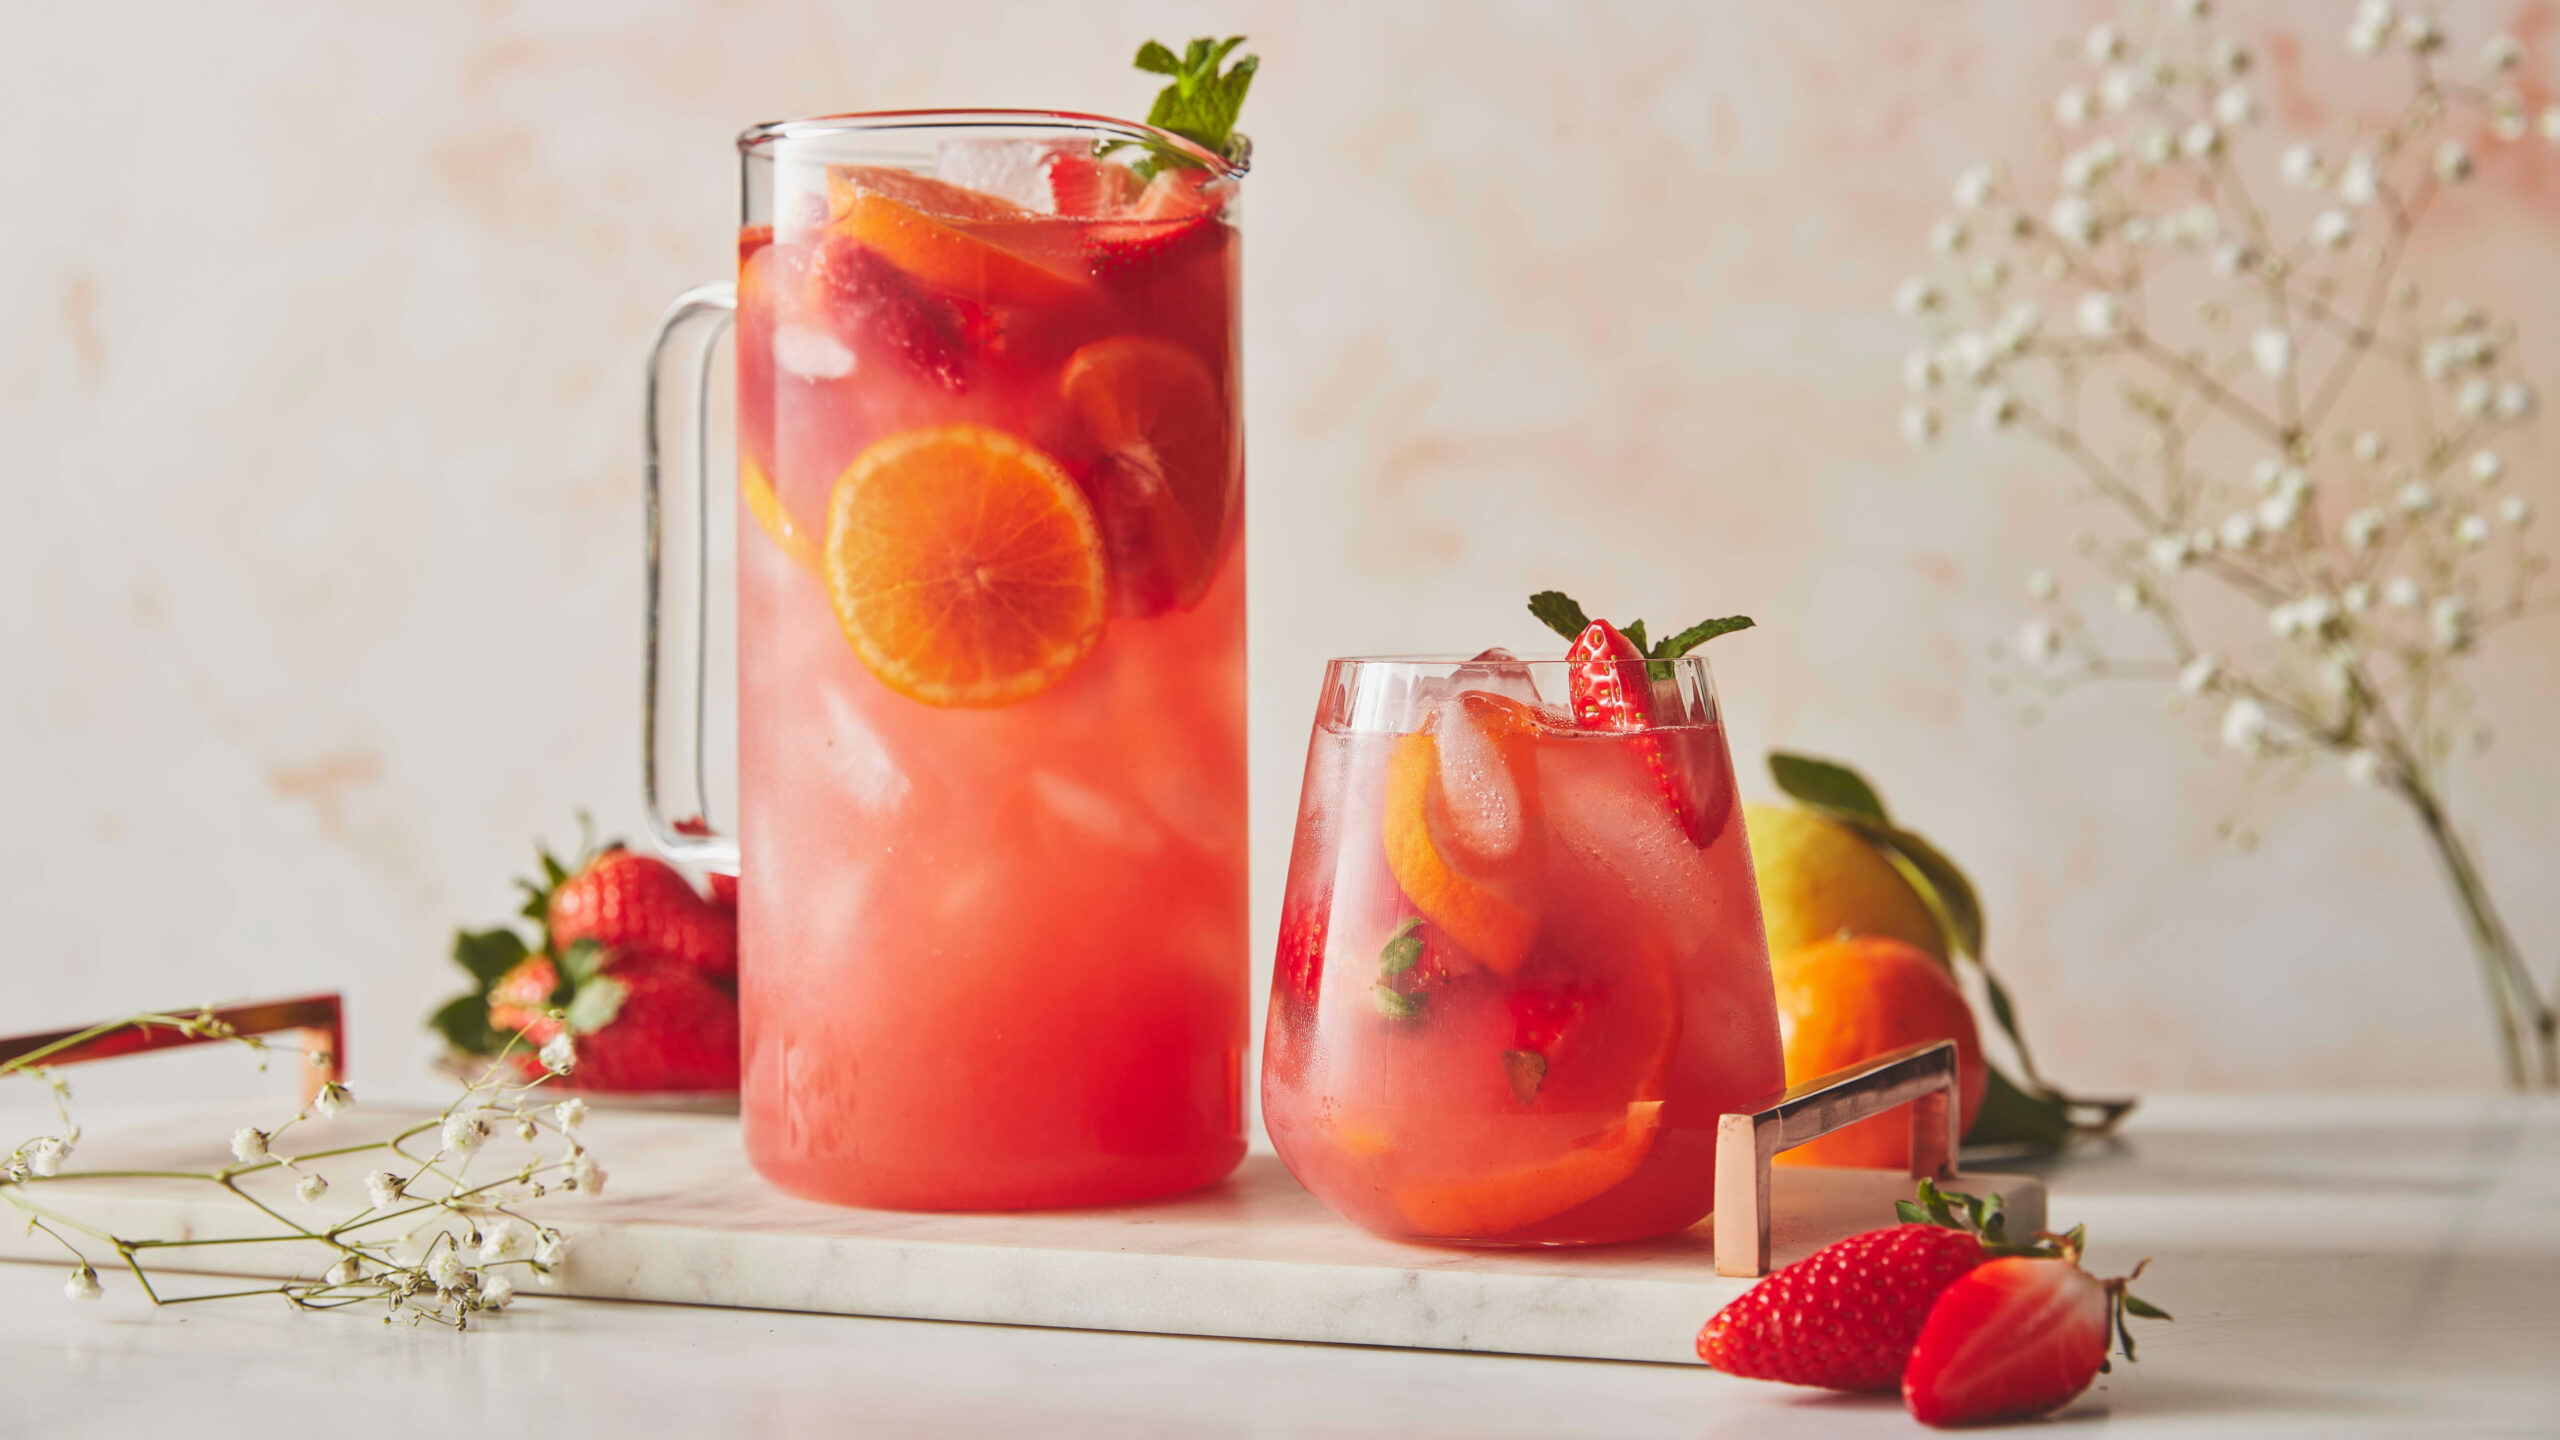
(683, 1219)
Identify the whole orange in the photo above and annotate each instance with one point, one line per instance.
(1846, 1000)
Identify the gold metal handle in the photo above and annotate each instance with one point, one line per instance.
(1921, 1076)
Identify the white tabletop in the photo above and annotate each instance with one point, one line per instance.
(2373, 1266)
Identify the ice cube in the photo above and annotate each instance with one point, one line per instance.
(1502, 673)
(1484, 805)
(1015, 170)
(1096, 817)
(1605, 818)
(811, 353)
(861, 765)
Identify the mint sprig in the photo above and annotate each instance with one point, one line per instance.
(1564, 615)
(1202, 102)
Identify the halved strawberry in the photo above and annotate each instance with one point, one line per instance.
(1085, 186)
(1612, 691)
(1172, 218)
(2014, 1338)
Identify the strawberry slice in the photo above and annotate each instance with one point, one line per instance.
(937, 337)
(1612, 691)
(1087, 187)
(1172, 218)
(2017, 1338)
(940, 234)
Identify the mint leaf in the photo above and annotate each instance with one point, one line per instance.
(1527, 1070)
(595, 1005)
(1634, 631)
(487, 954)
(1396, 1005)
(1825, 785)
(1675, 646)
(1557, 611)
(1403, 950)
(1203, 101)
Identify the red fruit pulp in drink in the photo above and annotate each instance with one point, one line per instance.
(993, 958)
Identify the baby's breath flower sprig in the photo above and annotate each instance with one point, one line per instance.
(430, 1244)
(2211, 354)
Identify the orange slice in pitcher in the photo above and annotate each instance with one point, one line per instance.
(1452, 853)
(788, 534)
(965, 566)
(908, 219)
(1167, 477)
(1483, 1207)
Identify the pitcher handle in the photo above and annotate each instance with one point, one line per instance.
(677, 807)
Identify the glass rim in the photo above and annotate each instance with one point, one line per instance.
(1419, 661)
(757, 139)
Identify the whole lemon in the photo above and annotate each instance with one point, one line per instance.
(1819, 878)
(1845, 1001)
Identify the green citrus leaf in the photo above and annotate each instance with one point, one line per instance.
(1826, 785)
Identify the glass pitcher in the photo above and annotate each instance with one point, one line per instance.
(990, 829)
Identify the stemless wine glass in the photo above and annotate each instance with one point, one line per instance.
(1521, 967)
(990, 599)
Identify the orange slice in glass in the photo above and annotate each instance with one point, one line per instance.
(1483, 1207)
(1455, 856)
(965, 566)
(1168, 475)
(917, 223)
(788, 534)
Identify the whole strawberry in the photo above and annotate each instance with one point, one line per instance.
(634, 905)
(2017, 1338)
(672, 1029)
(1844, 1317)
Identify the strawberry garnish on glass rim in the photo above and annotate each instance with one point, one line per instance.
(1612, 679)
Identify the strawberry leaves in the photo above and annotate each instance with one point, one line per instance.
(1561, 613)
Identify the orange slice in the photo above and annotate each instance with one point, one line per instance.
(1167, 479)
(1486, 1206)
(788, 534)
(1459, 885)
(904, 217)
(965, 566)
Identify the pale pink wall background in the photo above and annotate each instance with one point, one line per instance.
(319, 334)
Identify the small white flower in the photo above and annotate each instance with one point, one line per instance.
(2244, 725)
(525, 1130)
(2369, 446)
(2507, 118)
(2421, 34)
(1968, 354)
(1920, 372)
(1997, 409)
(2361, 528)
(2358, 598)
(2360, 183)
(2240, 531)
(2516, 511)
(1976, 185)
(2501, 53)
(585, 1175)
(2231, 257)
(2104, 45)
(83, 1284)
(310, 1189)
(2100, 314)
(2278, 512)
(2039, 641)
(2155, 146)
(504, 1239)
(2417, 497)
(345, 1272)
(248, 1144)
(2169, 553)
(2271, 350)
(2549, 124)
(550, 1249)
(2199, 223)
(2332, 229)
(2453, 162)
(2130, 597)
(2202, 541)
(497, 1292)
(463, 1132)
(2119, 87)
(1917, 297)
(2487, 466)
(2515, 400)
(2471, 531)
(559, 1054)
(333, 1100)
(2075, 220)
(2197, 675)
(2365, 39)
(1949, 237)
(2364, 768)
(2236, 106)
(1919, 423)
(383, 1188)
(45, 1154)
(2195, 9)
(446, 1271)
(2402, 593)
(569, 1114)
(2200, 141)
(2072, 107)
(2230, 57)
(2041, 585)
(1988, 274)
(2450, 619)
(2265, 472)
(2475, 397)
(2301, 166)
